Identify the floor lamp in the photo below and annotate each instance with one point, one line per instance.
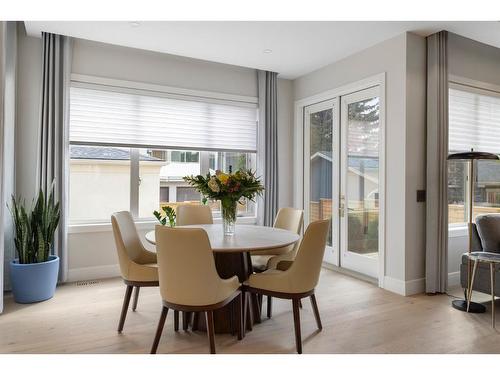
(470, 156)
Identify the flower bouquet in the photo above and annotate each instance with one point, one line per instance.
(229, 189)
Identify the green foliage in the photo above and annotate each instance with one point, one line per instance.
(168, 214)
(34, 229)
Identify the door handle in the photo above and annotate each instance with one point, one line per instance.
(342, 206)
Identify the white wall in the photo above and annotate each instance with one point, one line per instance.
(403, 60)
(29, 78)
(479, 62)
(285, 141)
(415, 165)
(7, 149)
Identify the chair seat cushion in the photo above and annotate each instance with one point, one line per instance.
(142, 272)
(259, 262)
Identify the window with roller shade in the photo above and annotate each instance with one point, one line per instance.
(474, 123)
(129, 148)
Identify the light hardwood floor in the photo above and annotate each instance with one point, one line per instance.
(357, 317)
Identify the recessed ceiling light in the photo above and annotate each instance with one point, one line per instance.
(135, 24)
(268, 51)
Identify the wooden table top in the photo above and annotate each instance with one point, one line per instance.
(246, 238)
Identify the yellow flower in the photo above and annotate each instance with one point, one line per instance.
(212, 184)
(223, 178)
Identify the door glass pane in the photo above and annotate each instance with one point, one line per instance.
(320, 196)
(362, 180)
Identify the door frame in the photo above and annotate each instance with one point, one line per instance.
(298, 153)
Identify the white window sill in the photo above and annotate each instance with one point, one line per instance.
(141, 225)
(458, 231)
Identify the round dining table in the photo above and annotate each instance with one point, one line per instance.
(232, 257)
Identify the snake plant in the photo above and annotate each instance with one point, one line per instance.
(34, 231)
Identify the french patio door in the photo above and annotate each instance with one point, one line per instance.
(359, 188)
(341, 177)
(321, 178)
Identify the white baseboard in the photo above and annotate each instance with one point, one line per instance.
(404, 288)
(91, 273)
(453, 279)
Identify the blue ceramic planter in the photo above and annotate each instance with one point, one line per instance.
(34, 282)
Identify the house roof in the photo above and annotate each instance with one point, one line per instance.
(354, 161)
(105, 153)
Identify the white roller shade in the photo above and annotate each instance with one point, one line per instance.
(474, 120)
(102, 117)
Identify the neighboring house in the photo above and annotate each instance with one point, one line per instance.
(100, 182)
(362, 178)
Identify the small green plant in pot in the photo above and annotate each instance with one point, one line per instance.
(168, 213)
(34, 273)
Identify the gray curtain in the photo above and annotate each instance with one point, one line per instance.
(268, 108)
(436, 262)
(53, 132)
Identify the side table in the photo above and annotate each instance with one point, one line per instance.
(491, 259)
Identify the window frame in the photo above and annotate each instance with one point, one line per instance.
(88, 81)
(477, 87)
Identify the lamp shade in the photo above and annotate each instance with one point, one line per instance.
(473, 155)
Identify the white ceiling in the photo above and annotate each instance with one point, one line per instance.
(297, 47)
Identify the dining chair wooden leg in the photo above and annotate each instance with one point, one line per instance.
(136, 298)
(256, 308)
(261, 299)
(316, 311)
(300, 303)
(239, 318)
(159, 329)
(210, 330)
(176, 320)
(269, 307)
(126, 301)
(247, 315)
(232, 327)
(296, 321)
(185, 320)
(194, 321)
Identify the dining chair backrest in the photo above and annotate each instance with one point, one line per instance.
(290, 219)
(128, 243)
(304, 272)
(188, 214)
(186, 266)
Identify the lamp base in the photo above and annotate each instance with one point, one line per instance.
(474, 307)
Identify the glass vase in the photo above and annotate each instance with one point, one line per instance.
(228, 211)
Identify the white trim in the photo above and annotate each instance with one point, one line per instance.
(135, 85)
(347, 272)
(404, 288)
(453, 279)
(375, 80)
(92, 273)
(458, 231)
(474, 84)
(141, 225)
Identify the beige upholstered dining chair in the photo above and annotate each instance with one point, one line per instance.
(287, 218)
(295, 279)
(188, 214)
(137, 265)
(189, 281)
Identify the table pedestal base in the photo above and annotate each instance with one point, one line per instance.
(228, 265)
